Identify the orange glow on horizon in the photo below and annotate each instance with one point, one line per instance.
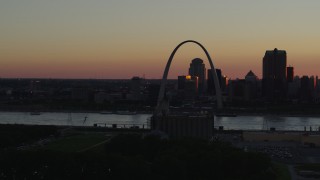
(122, 39)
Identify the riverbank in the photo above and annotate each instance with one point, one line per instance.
(236, 113)
(277, 114)
(70, 111)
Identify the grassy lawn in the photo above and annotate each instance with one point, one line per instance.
(282, 171)
(76, 143)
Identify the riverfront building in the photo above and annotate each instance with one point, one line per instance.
(179, 126)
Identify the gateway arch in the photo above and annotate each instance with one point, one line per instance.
(166, 71)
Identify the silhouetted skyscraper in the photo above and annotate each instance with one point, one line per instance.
(290, 74)
(274, 64)
(197, 68)
(274, 74)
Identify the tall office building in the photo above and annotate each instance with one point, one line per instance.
(274, 80)
(197, 68)
(290, 74)
(274, 64)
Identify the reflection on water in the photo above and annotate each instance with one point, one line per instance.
(303, 119)
(274, 118)
(78, 119)
(267, 122)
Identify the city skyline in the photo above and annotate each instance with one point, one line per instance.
(119, 40)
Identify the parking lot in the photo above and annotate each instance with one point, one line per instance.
(290, 152)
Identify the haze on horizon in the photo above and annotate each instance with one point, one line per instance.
(120, 39)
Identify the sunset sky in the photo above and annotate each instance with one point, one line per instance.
(124, 38)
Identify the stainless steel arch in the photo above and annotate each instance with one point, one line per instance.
(166, 71)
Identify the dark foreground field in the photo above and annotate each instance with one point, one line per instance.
(101, 155)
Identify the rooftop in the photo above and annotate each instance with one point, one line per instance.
(250, 73)
(276, 51)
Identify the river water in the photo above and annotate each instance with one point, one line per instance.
(89, 119)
